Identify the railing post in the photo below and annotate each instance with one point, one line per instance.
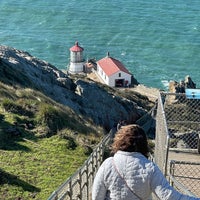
(87, 180)
(80, 185)
(70, 189)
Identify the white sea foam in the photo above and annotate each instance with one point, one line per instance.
(165, 84)
(123, 53)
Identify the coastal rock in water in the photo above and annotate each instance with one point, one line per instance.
(189, 83)
(175, 87)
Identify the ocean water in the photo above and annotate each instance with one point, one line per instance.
(156, 40)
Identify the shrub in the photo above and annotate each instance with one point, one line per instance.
(15, 107)
(70, 140)
(87, 150)
(71, 144)
(50, 116)
(9, 105)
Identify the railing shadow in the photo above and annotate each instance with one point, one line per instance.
(10, 179)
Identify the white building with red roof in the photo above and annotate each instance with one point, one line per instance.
(76, 59)
(113, 72)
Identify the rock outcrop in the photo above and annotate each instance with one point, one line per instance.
(94, 101)
(175, 87)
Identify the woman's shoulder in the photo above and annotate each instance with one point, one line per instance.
(107, 163)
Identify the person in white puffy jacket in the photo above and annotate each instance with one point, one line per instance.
(129, 175)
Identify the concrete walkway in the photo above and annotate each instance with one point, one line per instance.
(184, 156)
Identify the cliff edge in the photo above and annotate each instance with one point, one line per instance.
(103, 105)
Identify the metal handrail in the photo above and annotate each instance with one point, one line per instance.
(181, 186)
(174, 182)
(82, 176)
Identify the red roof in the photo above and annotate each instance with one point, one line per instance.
(111, 66)
(76, 48)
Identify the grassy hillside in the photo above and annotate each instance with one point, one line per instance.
(41, 143)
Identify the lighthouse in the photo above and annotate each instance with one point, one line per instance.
(76, 59)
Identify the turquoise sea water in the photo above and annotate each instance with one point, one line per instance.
(156, 40)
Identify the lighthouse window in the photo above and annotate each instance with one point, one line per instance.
(119, 74)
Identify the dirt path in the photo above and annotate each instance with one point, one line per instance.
(151, 93)
(187, 174)
(184, 156)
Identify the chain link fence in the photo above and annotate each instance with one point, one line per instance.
(178, 129)
(162, 138)
(185, 174)
(183, 121)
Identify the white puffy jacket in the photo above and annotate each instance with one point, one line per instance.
(141, 175)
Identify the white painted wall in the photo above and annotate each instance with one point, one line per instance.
(119, 75)
(111, 80)
(76, 56)
(76, 67)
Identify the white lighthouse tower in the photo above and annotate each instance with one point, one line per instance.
(76, 59)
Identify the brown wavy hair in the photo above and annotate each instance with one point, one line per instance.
(131, 138)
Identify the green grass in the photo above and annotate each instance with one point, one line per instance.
(37, 161)
(38, 169)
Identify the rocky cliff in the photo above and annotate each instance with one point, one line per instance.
(103, 105)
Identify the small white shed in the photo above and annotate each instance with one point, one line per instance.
(113, 72)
